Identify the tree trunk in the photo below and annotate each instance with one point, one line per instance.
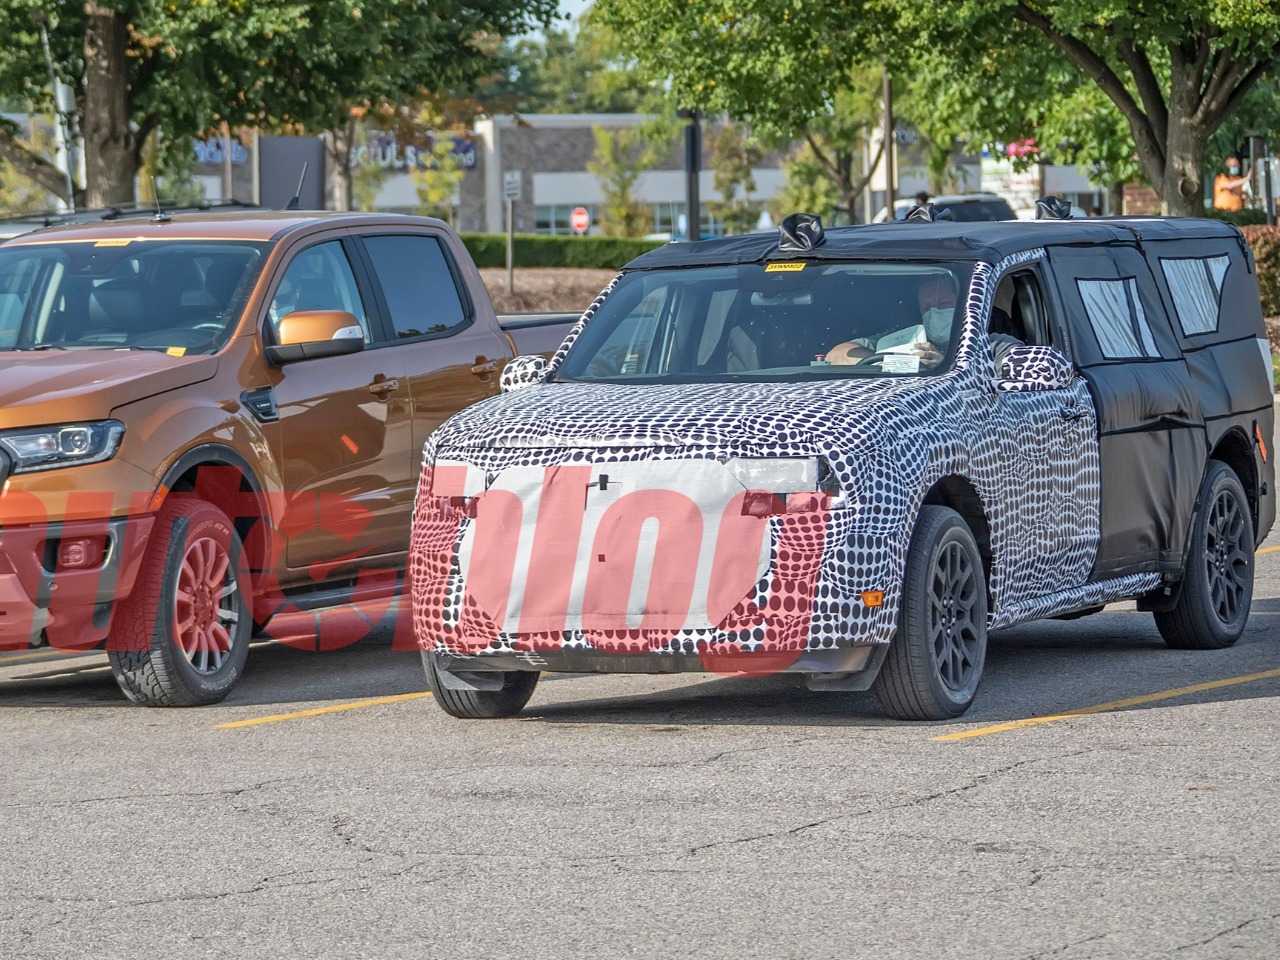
(110, 158)
(339, 142)
(1115, 198)
(1182, 193)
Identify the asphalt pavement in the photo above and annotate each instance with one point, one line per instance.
(1105, 797)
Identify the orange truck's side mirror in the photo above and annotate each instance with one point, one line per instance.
(310, 334)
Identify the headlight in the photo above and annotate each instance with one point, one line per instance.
(47, 448)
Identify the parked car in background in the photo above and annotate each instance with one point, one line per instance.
(852, 455)
(207, 417)
(963, 207)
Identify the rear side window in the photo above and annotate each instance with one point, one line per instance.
(418, 284)
(1195, 283)
(1117, 318)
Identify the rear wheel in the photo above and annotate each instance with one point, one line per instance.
(182, 636)
(512, 690)
(935, 661)
(1217, 585)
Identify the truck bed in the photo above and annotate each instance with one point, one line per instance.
(536, 332)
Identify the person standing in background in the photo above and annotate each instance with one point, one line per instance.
(1228, 187)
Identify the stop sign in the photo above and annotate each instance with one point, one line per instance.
(580, 220)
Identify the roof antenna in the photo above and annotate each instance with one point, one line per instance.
(160, 216)
(295, 203)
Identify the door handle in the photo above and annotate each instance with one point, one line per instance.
(483, 367)
(380, 388)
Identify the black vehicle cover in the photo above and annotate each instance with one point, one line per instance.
(1166, 405)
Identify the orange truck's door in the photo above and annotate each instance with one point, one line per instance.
(346, 426)
(449, 345)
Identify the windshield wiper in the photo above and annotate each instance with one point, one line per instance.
(44, 346)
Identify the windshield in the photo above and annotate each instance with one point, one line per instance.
(804, 320)
(172, 295)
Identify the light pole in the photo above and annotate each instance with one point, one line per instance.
(692, 172)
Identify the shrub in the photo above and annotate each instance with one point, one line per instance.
(535, 250)
(1265, 242)
(1248, 217)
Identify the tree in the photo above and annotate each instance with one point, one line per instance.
(620, 156)
(1175, 70)
(439, 174)
(136, 66)
(803, 70)
(20, 193)
(733, 159)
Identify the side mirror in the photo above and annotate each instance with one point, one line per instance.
(311, 334)
(526, 371)
(1033, 368)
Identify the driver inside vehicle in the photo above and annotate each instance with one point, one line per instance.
(926, 340)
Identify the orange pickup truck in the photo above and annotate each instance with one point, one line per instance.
(206, 418)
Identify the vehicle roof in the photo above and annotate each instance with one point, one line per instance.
(988, 241)
(255, 225)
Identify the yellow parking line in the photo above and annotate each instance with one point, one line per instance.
(321, 711)
(1266, 550)
(1108, 706)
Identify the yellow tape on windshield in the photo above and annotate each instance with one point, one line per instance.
(784, 267)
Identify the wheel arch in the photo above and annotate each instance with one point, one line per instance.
(959, 493)
(221, 476)
(1235, 449)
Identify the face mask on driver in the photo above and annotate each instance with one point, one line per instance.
(937, 325)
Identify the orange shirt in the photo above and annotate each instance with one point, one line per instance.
(1228, 192)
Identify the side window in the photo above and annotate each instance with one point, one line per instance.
(626, 351)
(1115, 313)
(319, 278)
(1195, 283)
(1019, 310)
(418, 284)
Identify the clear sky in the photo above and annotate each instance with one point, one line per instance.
(573, 8)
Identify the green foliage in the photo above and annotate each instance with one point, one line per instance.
(808, 188)
(984, 70)
(1248, 217)
(270, 63)
(580, 71)
(733, 159)
(18, 193)
(534, 250)
(621, 156)
(1265, 243)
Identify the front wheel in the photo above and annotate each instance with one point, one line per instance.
(935, 660)
(182, 637)
(511, 691)
(1217, 585)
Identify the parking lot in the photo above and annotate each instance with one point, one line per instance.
(1105, 797)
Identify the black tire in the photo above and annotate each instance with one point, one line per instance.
(934, 664)
(145, 650)
(1217, 584)
(517, 688)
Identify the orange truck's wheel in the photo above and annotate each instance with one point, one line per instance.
(182, 636)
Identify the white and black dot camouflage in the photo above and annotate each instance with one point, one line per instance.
(888, 440)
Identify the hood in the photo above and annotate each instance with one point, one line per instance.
(733, 419)
(64, 386)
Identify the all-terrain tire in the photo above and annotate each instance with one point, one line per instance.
(144, 649)
(517, 688)
(935, 661)
(1215, 565)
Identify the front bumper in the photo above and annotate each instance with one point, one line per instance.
(72, 607)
